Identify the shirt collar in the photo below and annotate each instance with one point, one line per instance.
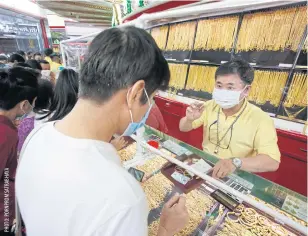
(5, 120)
(217, 108)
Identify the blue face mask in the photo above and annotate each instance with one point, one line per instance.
(134, 126)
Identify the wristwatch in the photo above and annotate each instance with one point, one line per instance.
(237, 162)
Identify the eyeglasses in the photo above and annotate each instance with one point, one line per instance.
(213, 136)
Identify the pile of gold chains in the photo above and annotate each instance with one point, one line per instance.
(201, 78)
(216, 34)
(268, 86)
(160, 36)
(297, 95)
(181, 36)
(246, 221)
(272, 30)
(197, 204)
(177, 75)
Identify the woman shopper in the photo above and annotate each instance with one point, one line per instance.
(18, 90)
(42, 103)
(65, 95)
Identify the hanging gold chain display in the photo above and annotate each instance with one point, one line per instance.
(201, 78)
(177, 75)
(216, 34)
(268, 86)
(272, 30)
(297, 95)
(181, 36)
(160, 36)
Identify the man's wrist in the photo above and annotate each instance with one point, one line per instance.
(237, 162)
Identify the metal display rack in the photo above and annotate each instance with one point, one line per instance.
(285, 60)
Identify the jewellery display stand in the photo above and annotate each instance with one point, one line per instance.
(247, 214)
(284, 60)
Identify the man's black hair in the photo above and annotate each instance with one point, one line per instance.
(3, 58)
(239, 67)
(22, 53)
(48, 52)
(65, 95)
(22, 64)
(43, 62)
(117, 59)
(44, 95)
(37, 54)
(16, 58)
(17, 84)
(34, 64)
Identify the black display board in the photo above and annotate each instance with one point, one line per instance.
(270, 60)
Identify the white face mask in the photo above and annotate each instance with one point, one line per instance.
(227, 98)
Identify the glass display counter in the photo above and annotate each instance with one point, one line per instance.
(209, 216)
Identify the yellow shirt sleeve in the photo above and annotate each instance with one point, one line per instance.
(266, 139)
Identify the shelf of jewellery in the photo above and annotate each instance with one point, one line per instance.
(207, 216)
(200, 41)
(252, 35)
(278, 91)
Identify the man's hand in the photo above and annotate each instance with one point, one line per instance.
(194, 111)
(174, 216)
(118, 143)
(223, 168)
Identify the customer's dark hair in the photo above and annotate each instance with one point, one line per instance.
(16, 58)
(44, 96)
(23, 64)
(34, 64)
(118, 58)
(65, 95)
(37, 54)
(239, 67)
(3, 58)
(48, 52)
(17, 84)
(20, 52)
(43, 62)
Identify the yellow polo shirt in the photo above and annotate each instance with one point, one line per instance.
(48, 59)
(252, 134)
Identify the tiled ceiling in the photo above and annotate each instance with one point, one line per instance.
(95, 13)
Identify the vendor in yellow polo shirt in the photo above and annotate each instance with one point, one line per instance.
(48, 52)
(238, 132)
(55, 63)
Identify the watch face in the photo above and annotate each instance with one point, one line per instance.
(237, 162)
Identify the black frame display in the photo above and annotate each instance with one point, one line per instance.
(285, 60)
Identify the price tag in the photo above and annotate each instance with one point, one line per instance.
(180, 178)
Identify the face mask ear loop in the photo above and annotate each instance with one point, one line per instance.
(244, 96)
(147, 97)
(130, 112)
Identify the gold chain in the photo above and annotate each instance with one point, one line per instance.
(160, 36)
(272, 30)
(216, 34)
(268, 86)
(177, 75)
